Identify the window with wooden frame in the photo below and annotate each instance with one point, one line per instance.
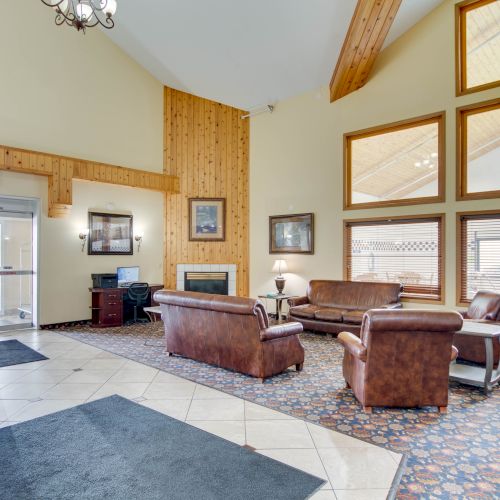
(400, 163)
(477, 45)
(478, 150)
(478, 254)
(408, 250)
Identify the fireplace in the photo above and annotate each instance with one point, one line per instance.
(206, 282)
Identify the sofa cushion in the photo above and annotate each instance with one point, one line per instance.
(304, 311)
(329, 314)
(355, 316)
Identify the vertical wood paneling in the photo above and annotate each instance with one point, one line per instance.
(206, 146)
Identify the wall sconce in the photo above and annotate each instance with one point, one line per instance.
(138, 238)
(83, 236)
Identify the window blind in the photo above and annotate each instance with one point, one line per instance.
(408, 251)
(480, 254)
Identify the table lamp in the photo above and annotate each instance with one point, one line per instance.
(279, 267)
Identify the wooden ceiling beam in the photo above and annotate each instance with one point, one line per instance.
(369, 26)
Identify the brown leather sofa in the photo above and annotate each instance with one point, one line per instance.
(485, 306)
(402, 358)
(336, 306)
(230, 332)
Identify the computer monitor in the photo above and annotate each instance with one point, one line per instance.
(127, 274)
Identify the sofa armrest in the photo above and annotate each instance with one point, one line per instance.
(392, 305)
(280, 331)
(297, 301)
(353, 344)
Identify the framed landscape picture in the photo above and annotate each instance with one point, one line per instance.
(291, 233)
(207, 219)
(110, 234)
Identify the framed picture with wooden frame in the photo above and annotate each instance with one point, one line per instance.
(207, 219)
(110, 234)
(291, 233)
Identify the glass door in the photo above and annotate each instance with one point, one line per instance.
(16, 269)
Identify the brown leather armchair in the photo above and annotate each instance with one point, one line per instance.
(230, 332)
(402, 358)
(485, 306)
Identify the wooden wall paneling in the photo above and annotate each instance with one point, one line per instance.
(206, 146)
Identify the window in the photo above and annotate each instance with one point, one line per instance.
(478, 45)
(478, 137)
(405, 249)
(397, 164)
(478, 259)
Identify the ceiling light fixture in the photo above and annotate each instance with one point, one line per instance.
(83, 14)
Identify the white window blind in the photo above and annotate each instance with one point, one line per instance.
(408, 251)
(480, 254)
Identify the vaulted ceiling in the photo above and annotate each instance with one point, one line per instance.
(240, 52)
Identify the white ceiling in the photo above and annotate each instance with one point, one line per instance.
(245, 53)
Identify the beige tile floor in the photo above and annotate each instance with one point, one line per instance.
(353, 469)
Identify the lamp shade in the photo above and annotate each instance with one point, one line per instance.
(280, 266)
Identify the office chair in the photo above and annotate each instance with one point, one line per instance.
(137, 295)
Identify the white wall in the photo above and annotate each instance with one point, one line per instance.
(79, 95)
(296, 153)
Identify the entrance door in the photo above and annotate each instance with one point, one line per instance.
(16, 269)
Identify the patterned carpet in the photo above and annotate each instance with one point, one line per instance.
(453, 456)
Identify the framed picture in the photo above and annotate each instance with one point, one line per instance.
(207, 219)
(291, 233)
(110, 234)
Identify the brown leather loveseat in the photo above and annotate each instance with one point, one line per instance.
(230, 332)
(402, 358)
(335, 306)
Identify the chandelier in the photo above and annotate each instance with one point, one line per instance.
(83, 14)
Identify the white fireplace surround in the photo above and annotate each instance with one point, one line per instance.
(230, 269)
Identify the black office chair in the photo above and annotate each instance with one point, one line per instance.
(137, 296)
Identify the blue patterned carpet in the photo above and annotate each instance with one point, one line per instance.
(453, 456)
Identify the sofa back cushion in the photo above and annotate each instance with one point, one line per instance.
(352, 294)
(485, 305)
(216, 329)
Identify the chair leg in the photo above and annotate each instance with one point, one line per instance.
(443, 409)
(261, 379)
(368, 409)
(347, 386)
(299, 367)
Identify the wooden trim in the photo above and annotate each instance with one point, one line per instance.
(461, 10)
(460, 253)
(439, 118)
(367, 32)
(62, 170)
(410, 219)
(461, 147)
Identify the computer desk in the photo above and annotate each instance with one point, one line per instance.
(108, 306)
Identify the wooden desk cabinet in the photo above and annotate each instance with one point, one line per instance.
(107, 305)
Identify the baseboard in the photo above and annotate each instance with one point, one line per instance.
(66, 324)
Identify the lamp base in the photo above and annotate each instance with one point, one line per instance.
(280, 283)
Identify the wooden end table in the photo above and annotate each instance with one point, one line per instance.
(279, 298)
(476, 375)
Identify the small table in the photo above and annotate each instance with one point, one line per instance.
(153, 313)
(477, 375)
(279, 298)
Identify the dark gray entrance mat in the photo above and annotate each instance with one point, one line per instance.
(13, 352)
(114, 448)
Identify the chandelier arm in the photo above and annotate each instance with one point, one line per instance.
(53, 4)
(61, 17)
(99, 7)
